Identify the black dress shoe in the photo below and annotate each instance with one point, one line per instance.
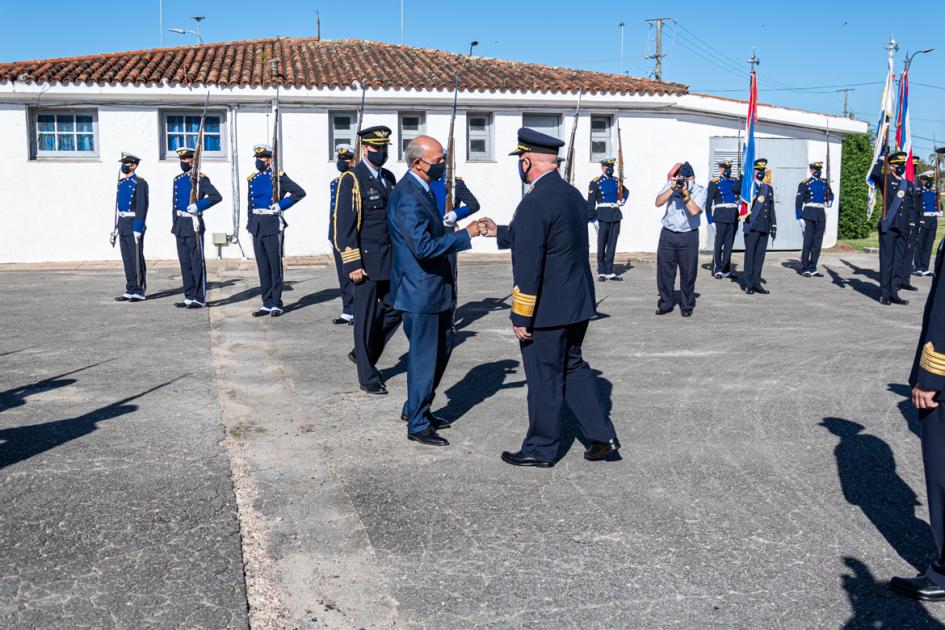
(600, 450)
(376, 389)
(908, 287)
(616, 279)
(898, 300)
(261, 312)
(428, 436)
(921, 588)
(686, 312)
(340, 321)
(195, 304)
(178, 304)
(122, 298)
(663, 311)
(438, 424)
(521, 459)
(601, 279)
(762, 290)
(352, 358)
(749, 290)
(276, 312)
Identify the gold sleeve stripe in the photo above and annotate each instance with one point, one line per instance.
(355, 204)
(350, 255)
(932, 361)
(522, 303)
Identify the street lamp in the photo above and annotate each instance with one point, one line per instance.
(472, 45)
(909, 57)
(181, 31)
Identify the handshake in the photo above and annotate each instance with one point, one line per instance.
(482, 227)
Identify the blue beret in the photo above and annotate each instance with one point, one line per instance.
(531, 141)
(686, 170)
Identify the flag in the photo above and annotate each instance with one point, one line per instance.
(882, 133)
(748, 149)
(903, 130)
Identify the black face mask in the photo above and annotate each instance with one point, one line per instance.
(343, 165)
(126, 168)
(377, 158)
(816, 173)
(727, 172)
(899, 170)
(928, 184)
(522, 171)
(261, 165)
(186, 166)
(760, 175)
(609, 171)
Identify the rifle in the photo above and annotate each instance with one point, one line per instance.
(195, 182)
(114, 235)
(569, 167)
(450, 154)
(827, 200)
(619, 164)
(357, 135)
(276, 165)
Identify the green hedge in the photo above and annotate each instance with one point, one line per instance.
(856, 162)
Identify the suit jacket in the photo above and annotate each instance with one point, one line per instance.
(762, 217)
(550, 256)
(421, 275)
(361, 234)
(900, 201)
(928, 368)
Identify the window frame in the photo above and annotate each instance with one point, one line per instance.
(36, 153)
(167, 155)
(353, 113)
(559, 131)
(401, 136)
(488, 135)
(606, 135)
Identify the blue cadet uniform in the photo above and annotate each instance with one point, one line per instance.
(345, 159)
(762, 221)
(905, 252)
(188, 226)
(362, 239)
(267, 227)
(132, 212)
(603, 206)
(813, 197)
(895, 226)
(721, 209)
(928, 225)
(678, 247)
(553, 297)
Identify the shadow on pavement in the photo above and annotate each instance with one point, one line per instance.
(480, 383)
(867, 472)
(325, 295)
(876, 606)
(3, 354)
(20, 443)
(571, 431)
(16, 396)
(906, 408)
(471, 312)
(246, 294)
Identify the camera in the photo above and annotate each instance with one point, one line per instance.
(680, 183)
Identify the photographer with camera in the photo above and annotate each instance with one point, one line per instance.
(679, 239)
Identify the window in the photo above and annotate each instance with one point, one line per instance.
(600, 138)
(412, 124)
(341, 130)
(478, 136)
(180, 129)
(65, 133)
(545, 123)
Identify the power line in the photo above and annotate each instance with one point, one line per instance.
(811, 88)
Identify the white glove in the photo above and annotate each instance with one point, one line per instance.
(596, 225)
(801, 223)
(449, 219)
(138, 235)
(192, 209)
(276, 208)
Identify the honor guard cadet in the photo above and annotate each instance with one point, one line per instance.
(721, 209)
(345, 154)
(894, 225)
(813, 197)
(132, 212)
(187, 226)
(363, 241)
(603, 207)
(762, 220)
(928, 381)
(267, 227)
(552, 303)
(466, 203)
(925, 237)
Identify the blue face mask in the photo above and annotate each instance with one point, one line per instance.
(899, 170)
(377, 158)
(760, 174)
(186, 166)
(436, 171)
(727, 172)
(817, 173)
(260, 165)
(125, 168)
(609, 171)
(522, 171)
(343, 165)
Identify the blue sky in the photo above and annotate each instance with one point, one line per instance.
(826, 46)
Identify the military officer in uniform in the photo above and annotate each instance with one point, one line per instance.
(552, 302)
(928, 381)
(905, 252)
(678, 247)
(267, 227)
(345, 154)
(603, 206)
(187, 226)
(132, 209)
(362, 239)
(895, 225)
(762, 221)
(813, 197)
(925, 238)
(721, 209)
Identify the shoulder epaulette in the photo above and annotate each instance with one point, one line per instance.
(716, 179)
(596, 179)
(807, 181)
(250, 177)
(281, 173)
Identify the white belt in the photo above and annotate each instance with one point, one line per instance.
(725, 205)
(181, 213)
(814, 205)
(607, 205)
(931, 214)
(265, 211)
(125, 215)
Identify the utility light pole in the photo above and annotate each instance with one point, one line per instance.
(658, 56)
(621, 26)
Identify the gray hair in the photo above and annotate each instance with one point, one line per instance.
(414, 152)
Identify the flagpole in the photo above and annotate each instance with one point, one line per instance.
(892, 47)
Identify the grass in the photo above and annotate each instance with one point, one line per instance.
(873, 239)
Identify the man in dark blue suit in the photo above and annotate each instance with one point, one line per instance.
(552, 302)
(422, 284)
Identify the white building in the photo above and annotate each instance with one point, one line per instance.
(65, 121)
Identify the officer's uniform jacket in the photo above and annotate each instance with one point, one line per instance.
(602, 201)
(132, 203)
(361, 233)
(900, 202)
(928, 368)
(333, 192)
(762, 217)
(550, 256)
(722, 199)
(182, 223)
(265, 223)
(813, 195)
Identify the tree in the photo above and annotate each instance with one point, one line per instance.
(856, 163)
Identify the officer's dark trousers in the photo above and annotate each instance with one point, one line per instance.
(813, 240)
(268, 250)
(932, 422)
(607, 246)
(888, 241)
(925, 243)
(132, 257)
(905, 253)
(192, 268)
(756, 246)
(556, 372)
(375, 321)
(430, 336)
(347, 287)
(724, 239)
(677, 250)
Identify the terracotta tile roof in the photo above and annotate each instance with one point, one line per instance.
(311, 63)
